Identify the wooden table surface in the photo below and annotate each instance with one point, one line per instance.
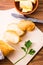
(38, 59)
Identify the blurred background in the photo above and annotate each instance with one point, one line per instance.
(6, 4)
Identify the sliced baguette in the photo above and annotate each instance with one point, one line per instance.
(12, 36)
(14, 27)
(5, 48)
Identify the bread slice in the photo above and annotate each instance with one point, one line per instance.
(30, 26)
(22, 25)
(12, 36)
(5, 48)
(26, 6)
(14, 27)
(26, 25)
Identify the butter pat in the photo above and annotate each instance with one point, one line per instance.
(26, 10)
(33, 1)
(26, 6)
(1, 55)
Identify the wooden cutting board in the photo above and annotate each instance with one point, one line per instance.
(38, 60)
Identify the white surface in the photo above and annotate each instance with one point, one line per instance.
(35, 36)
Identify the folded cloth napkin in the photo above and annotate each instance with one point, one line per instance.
(1, 55)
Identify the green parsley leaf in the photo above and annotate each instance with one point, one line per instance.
(28, 44)
(23, 48)
(31, 52)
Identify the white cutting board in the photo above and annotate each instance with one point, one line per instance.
(35, 36)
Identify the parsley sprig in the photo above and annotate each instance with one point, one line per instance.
(26, 47)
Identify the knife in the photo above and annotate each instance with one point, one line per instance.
(23, 17)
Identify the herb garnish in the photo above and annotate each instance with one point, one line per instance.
(26, 50)
(31, 52)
